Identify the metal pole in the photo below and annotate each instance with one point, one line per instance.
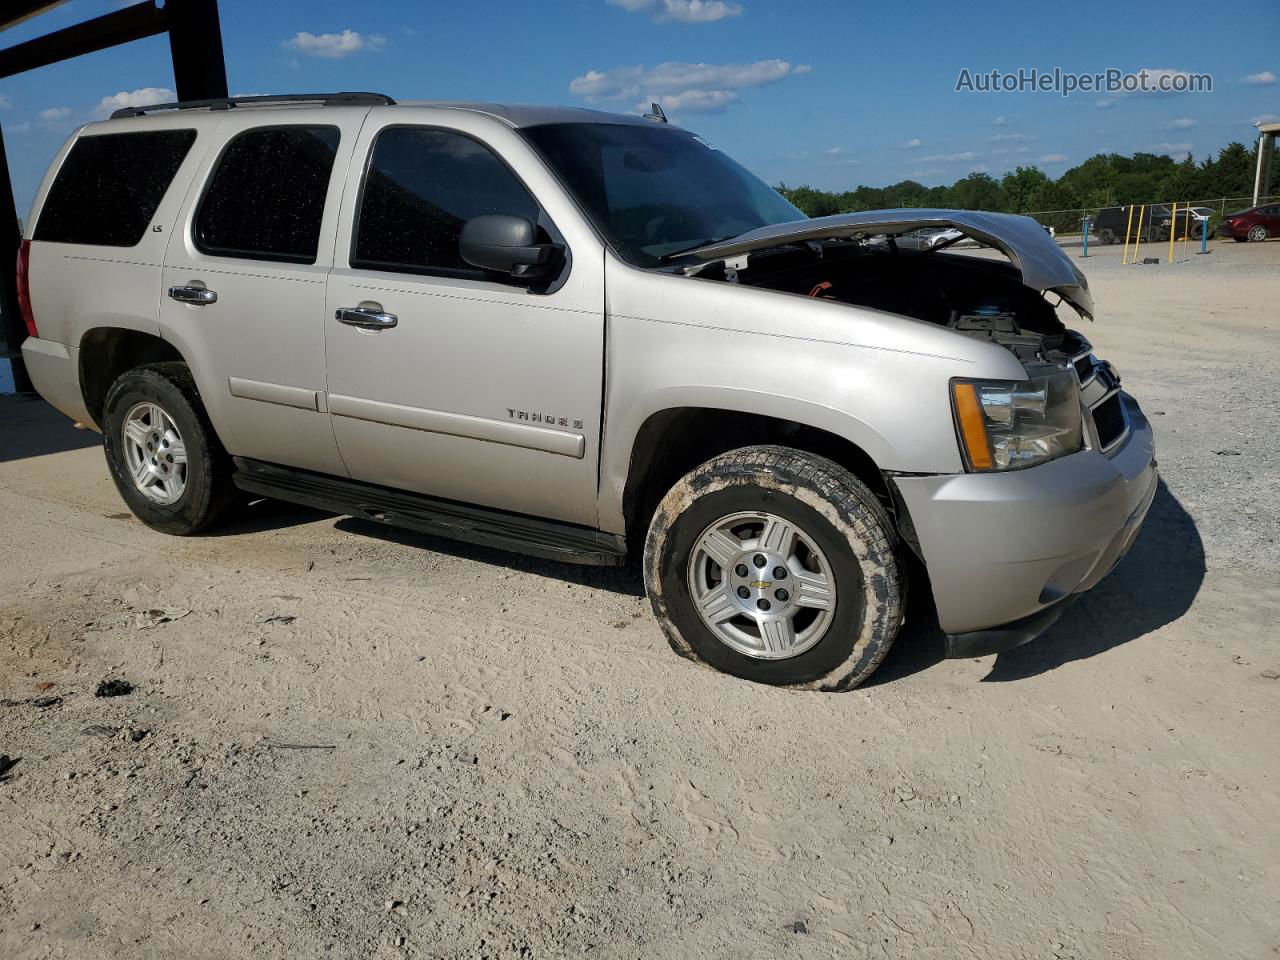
(1257, 177)
(1124, 258)
(1086, 236)
(1173, 229)
(195, 44)
(1137, 238)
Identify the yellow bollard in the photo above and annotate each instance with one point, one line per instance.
(1128, 227)
(1137, 237)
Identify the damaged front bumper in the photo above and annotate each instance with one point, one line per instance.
(1007, 552)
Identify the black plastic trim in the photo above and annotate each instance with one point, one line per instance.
(1007, 636)
(550, 539)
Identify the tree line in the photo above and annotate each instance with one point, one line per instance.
(1104, 180)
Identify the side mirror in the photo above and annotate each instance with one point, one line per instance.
(506, 244)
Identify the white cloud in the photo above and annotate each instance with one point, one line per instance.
(950, 157)
(54, 115)
(695, 101)
(1001, 121)
(1105, 104)
(1264, 79)
(835, 151)
(1266, 118)
(1010, 138)
(145, 97)
(682, 11)
(913, 143)
(924, 174)
(1182, 123)
(334, 46)
(1174, 151)
(5, 102)
(1053, 158)
(696, 87)
(24, 127)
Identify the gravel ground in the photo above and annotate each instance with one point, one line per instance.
(348, 742)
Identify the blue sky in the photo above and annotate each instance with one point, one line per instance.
(827, 92)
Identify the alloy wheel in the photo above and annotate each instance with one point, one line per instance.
(762, 585)
(154, 452)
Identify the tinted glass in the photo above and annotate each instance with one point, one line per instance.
(265, 200)
(109, 187)
(654, 190)
(422, 186)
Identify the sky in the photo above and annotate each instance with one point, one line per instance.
(830, 93)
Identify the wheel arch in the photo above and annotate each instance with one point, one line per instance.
(672, 441)
(107, 352)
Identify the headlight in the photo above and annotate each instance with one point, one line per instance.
(1010, 424)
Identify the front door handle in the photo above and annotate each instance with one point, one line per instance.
(366, 317)
(193, 294)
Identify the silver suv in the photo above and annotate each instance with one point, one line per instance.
(588, 337)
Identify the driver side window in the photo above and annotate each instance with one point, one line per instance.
(421, 186)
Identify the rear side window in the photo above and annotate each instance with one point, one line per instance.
(265, 199)
(422, 186)
(110, 185)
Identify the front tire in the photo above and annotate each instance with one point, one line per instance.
(1258, 233)
(823, 608)
(162, 452)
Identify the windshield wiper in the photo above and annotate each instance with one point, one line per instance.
(697, 246)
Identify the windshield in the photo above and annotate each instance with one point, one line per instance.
(655, 190)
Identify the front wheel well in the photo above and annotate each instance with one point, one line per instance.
(107, 352)
(672, 442)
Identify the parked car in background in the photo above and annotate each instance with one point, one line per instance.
(1256, 223)
(588, 337)
(929, 238)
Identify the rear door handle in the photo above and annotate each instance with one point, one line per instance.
(193, 294)
(367, 318)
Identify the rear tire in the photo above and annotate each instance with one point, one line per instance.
(1258, 233)
(843, 538)
(151, 412)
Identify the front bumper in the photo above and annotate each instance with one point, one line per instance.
(1006, 552)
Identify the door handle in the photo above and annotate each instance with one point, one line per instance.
(193, 294)
(367, 318)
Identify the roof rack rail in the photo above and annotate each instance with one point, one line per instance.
(346, 99)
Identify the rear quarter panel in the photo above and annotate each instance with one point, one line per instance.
(75, 287)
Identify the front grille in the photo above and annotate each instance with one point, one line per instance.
(1108, 417)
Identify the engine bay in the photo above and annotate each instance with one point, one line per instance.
(976, 297)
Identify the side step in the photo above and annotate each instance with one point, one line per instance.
(446, 518)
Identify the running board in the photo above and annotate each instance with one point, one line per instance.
(446, 518)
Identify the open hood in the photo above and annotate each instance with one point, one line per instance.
(1043, 265)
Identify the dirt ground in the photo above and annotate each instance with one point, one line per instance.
(352, 743)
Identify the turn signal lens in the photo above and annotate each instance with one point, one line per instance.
(1010, 424)
(973, 431)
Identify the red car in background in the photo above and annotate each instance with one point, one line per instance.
(1256, 223)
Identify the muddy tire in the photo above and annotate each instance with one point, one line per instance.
(162, 452)
(766, 534)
